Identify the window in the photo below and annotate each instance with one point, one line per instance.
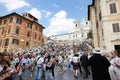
(116, 27)
(76, 35)
(86, 23)
(76, 25)
(28, 34)
(15, 41)
(27, 43)
(35, 36)
(100, 16)
(6, 42)
(11, 19)
(40, 30)
(5, 21)
(29, 25)
(9, 30)
(0, 22)
(0, 42)
(3, 31)
(17, 31)
(19, 21)
(113, 8)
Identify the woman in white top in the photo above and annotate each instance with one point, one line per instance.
(114, 69)
(75, 65)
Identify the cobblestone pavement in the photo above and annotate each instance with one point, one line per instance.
(67, 75)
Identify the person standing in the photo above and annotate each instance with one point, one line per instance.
(114, 69)
(99, 66)
(53, 66)
(48, 63)
(84, 64)
(39, 69)
(70, 57)
(75, 65)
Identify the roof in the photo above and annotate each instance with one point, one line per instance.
(93, 1)
(14, 13)
(30, 15)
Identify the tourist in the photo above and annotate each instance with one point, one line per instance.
(39, 66)
(99, 65)
(75, 64)
(114, 69)
(84, 64)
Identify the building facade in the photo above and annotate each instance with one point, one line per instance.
(78, 35)
(105, 18)
(19, 32)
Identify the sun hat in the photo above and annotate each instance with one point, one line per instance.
(97, 51)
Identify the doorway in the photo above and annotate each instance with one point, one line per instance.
(117, 47)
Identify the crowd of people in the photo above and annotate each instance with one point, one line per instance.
(41, 62)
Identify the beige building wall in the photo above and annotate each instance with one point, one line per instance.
(110, 38)
(100, 13)
(93, 24)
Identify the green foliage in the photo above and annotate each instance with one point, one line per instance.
(89, 35)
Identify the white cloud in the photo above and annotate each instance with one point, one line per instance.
(59, 24)
(14, 4)
(46, 13)
(36, 13)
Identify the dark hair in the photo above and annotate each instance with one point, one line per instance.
(118, 52)
(76, 54)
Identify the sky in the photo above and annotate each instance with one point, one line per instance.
(57, 16)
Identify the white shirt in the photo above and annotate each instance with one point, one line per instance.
(114, 70)
(40, 60)
(70, 57)
(75, 59)
(25, 61)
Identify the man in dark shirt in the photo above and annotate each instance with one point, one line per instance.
(99, 66)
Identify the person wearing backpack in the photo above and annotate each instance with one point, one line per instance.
(39, 68)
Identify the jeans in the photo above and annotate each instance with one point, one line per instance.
(52, 69)
(48, 75)
(39, 70)
(70, 66)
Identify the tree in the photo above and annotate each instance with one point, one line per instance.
(89, 34)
